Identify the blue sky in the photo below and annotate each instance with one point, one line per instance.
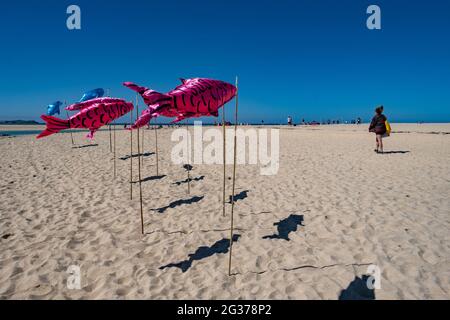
(312, 59)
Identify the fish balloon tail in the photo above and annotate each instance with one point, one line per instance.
(135, 87)
(54, 125)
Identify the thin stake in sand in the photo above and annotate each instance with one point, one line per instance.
(110, 138)
(71, 134)
(224, 159)
(139, 170)
(114, 123)
(188, 166)
(142, 149)
(131, 156)
(110, 134)
(234, 179)
(156, 151)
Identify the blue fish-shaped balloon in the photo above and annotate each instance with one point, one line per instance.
(96, 93)
(54, 108)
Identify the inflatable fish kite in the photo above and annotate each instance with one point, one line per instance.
(54, 108)
(92, 118)
(193, 98)
(96, 93)
(89, 103)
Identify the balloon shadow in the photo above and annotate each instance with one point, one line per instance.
(179, 203)
(151, 178)
(286, 226)
(203, 252)
(191, 179)
(358, 290)
(240, 196)
(394, 152)
(147, 154)
(85, 146)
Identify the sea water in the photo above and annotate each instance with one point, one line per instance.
(14, 133)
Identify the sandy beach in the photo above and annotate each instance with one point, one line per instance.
(339, 208)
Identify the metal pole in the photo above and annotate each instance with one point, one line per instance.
(188, 160)
(139, 171)
(234, 180)
(131, 156)
(71, 135)
(110, 139)
(114, 148)
(224, 160)
(157, 156)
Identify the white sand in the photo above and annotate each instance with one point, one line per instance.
(60, 206)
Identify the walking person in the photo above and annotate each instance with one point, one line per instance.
(378, 126)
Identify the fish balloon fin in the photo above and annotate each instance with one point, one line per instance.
(135, 87)
(180, 118)
(90, 135)
(142, 121)
(151, 97)
(183, 81)
(54, 125)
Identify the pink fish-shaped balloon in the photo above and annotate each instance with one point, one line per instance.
(196, 97)
(92, 117)
(89, 103)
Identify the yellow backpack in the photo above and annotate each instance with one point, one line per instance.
(388, 128)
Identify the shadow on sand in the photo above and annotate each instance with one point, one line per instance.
(203, 252)
(147, 154)
(151, 178)
(286, 226)
(179, 203)
(186, 181)
(240, 196)
(395, 152)
(358, 290)
(85, 146)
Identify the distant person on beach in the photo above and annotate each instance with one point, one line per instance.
(289, 121)
(378, 126)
